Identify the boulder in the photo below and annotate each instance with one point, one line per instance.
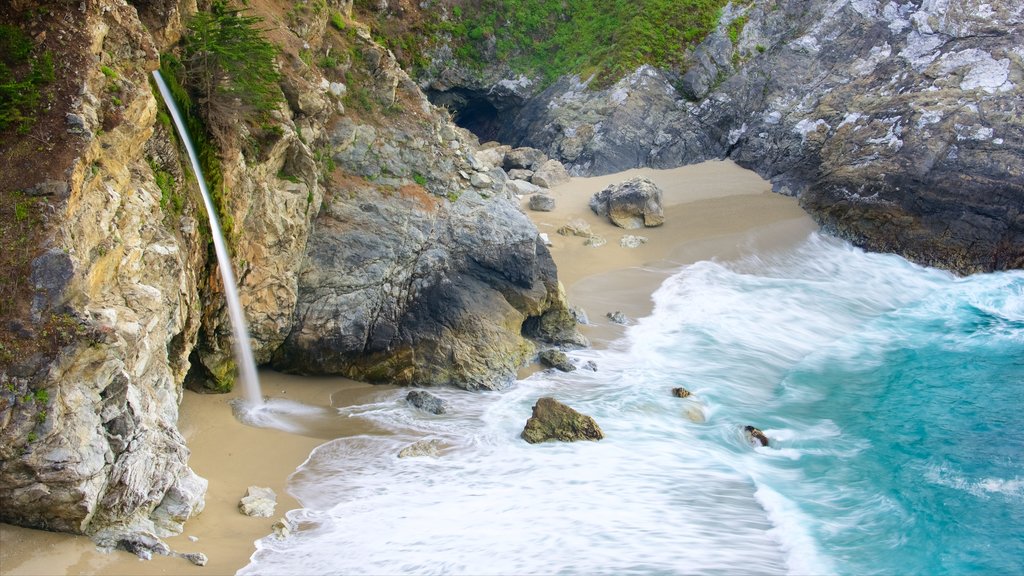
(426, 401)
(542, 202)
(552, 420)
(197, 558)
(680, 392)
(480, 180)
(520, 174)
(523, 188)
(575, 227)
(631, 241)
(755, 436)
(550, 174)
(258, 501)
(556, 359)
(634, 203)
(529, 158)
(282, 528)
(422, 448)
(493, 156)
(617, 317)
(595, 241)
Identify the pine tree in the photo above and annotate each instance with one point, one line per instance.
(230, 67)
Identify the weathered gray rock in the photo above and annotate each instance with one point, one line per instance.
(617, 317)
(422, 449)
(282, 528)
(524, 188)
(479, 180)
(542, 202)
(197, 558)
(423, 290)
(58, 188)
(575, 227)
(899, 126)
(550, 174)
(88, 437)
(528, 158)
(520, 174)
(711, 61)
(634, 203)
(552, 420)
(427, 402)
(631, 241)
(258, 501)
(493, 156)
(556, 359)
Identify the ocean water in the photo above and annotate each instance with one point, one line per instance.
(892, 395)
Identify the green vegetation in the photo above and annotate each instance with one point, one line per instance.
(170, 200)
(23, 75)
(231, 69)
(108, 72)
(173, 71)
(21, 217)
(606, 38)
(419, 179)
(736, 28)
(337, 20)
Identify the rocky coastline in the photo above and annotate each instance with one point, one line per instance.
(897, 124)
(376, 239)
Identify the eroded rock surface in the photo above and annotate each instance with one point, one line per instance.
(900, 125)
(552, 420)
(635, 203)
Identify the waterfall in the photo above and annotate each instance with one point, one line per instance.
(243, 353)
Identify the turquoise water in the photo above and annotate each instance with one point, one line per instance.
(891, 394)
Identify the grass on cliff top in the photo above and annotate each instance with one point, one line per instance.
(551, 38)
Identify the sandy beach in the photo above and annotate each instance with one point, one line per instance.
(712, 210)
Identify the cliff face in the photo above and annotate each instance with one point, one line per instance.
(89, 433)
(898, 124)
(361, 245)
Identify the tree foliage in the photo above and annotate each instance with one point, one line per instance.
(230, 67)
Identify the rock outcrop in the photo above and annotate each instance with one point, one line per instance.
(368, 241)
(88, 437)
(427, 402)
(258, 501)
(556, 359)
(898, 124)
(634, 203)
(552, 420)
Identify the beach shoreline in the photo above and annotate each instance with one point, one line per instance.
(712, 210)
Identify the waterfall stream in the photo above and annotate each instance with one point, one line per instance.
(243, 352)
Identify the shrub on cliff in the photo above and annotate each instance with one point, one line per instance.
(230, 67)
(22, 77)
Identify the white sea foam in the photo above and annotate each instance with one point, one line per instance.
(755, 341)
(981, 487)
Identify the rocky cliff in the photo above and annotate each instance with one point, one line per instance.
(368, 239)
(897, 123)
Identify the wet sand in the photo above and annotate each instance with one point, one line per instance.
(712, 210)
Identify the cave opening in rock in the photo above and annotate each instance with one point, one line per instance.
(474, 111)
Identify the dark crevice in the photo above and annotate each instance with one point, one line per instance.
(474, 111)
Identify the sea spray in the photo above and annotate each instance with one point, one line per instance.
(890, 393)
(243, 352)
